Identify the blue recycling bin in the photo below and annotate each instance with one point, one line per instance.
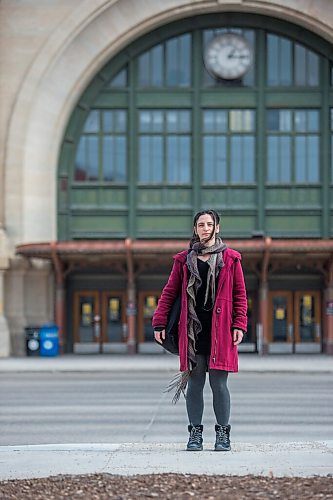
(49, 340)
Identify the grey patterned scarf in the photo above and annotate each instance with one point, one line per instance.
(215, 263)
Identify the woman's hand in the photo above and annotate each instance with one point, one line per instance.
(159, 336)
(237, 336)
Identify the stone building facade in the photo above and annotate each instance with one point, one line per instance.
(72, 250)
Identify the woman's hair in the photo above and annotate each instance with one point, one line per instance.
(216, 219)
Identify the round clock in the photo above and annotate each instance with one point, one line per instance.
(228, 56)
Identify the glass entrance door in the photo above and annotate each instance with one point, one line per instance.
(281, 321)
(307, 321)
(99, 321)
(146, 306)
(294, 324)
(114, 325)
(86, 309)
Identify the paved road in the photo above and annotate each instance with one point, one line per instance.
(37, 408)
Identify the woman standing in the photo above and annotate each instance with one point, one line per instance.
(212, 323)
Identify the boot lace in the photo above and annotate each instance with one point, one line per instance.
(195, 435)
(222, 435)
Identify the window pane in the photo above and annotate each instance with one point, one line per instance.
(144, 70)
(215, 160)
(108, 158)
(92, 122)
(80, 170)
(312, 69)
(285, 159)
(151, 67)
(241, 121)
(236, 159)
(92, 158)
(313, 121)
(150, 159)
(242, 159)
(151, 121)
(285, 121)
(300, 121)
(273, 120)
(209, 159)
(279, 120)
(184, 121)
(157, 66)
(248, 159)
(120, 80)
(313, 158)
(178, 121)
(300, 65)
(300, 159)
(172, 66)
(185, 61)
(279, 61)
(221, 160)
(285, 65)
(307, 159)
(114, 121)
(114, 159)
(144, 159)
(215, 121)
(279, 159)
(178, 61)
(178, 159)
(272, 58)
(273, 159)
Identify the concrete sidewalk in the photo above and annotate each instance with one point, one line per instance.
(299, 459)
(262, 458)
(310, 363)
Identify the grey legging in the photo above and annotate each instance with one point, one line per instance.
(194, 396)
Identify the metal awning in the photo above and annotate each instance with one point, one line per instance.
(67, 250)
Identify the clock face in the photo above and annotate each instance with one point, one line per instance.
(228, 56)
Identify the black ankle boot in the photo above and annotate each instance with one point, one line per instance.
(222, 442)
(195, 439)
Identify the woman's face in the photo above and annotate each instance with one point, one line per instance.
(204, 228)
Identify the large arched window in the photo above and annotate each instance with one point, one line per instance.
(233, 115)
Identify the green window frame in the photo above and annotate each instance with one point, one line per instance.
(293, 146)
(135, 203)
(228, 146)
(101, 154)
(164, 149)
(290, 63)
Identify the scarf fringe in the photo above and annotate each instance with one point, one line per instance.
(178, 383)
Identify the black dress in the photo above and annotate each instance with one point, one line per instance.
(204, 313)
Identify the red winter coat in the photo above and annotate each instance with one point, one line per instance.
(229, 310)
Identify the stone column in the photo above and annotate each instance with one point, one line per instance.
(131, 299)
(4, 330)
(4, 263)
(15, 307)
(328, 311)
(262, 333)
(37, 307)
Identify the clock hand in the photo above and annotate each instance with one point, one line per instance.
(231, 54)
(238, 57)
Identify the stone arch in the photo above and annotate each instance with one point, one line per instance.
(62, 70)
